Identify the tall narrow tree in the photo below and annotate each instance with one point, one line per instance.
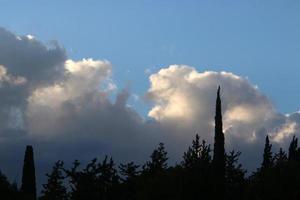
(293, 149)
(219, 152)
(28, 187)
(267, 157)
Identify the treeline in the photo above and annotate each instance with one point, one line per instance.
(204, 173)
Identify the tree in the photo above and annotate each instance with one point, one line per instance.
(28, 187)
(129, 170)
(219, 152)
(196, 164)
(293, 149)
(235, 176)
(98, 180)
(268, 160)
(197, 154)
(130, 173)
(7, 191)
(158, 162)
(280, 157)
(152, 184)
(264, 179)
(54, 188)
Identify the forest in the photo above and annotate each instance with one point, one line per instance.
(205, 172)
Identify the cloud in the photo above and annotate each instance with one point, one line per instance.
(181, 94)
(184, 101)
(9, 79)
(284, 131)
(64, 108)
(27, 57)
(25, 64)
(77, 114)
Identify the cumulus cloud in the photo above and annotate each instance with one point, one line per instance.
(184, 104)
(180, 93)
(64, 108)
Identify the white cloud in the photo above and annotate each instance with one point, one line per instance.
(30, 37)
(284, 131)
(82, 79)
(185, 96)
(7, 78)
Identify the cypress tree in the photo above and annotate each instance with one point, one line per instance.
(28, 187)
(293, 149)
(219, 152)
(267, 157)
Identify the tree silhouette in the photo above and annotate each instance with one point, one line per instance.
(7, 191)
(129, 174)
(280, 157)
(268, 160)
(196, 164)
(129, 171)
(154, 176)
(235, 176)
(219, 152)
(293, 150)
(54, 188)
(158, 162)
(98, 180)
(263, 180)
(198, 154)
(28, 187)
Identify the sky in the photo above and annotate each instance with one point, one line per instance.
(83, 79)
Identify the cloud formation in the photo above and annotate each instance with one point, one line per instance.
(184, 98)
(25, 64)
(64, 108)
(182, 94)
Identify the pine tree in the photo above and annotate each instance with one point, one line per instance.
(129, 171)
(197, 154)
(219, 152)
(280, 157)
(28, 187)
(268, 160)
(54, 188)
(196, 164)
(235, 176)
(158, 162)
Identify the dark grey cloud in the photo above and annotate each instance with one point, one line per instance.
(27, 57)
(25, 64)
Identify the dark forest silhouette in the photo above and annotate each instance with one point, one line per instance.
(203, 174)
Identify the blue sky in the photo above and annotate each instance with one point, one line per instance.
(254, 39)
